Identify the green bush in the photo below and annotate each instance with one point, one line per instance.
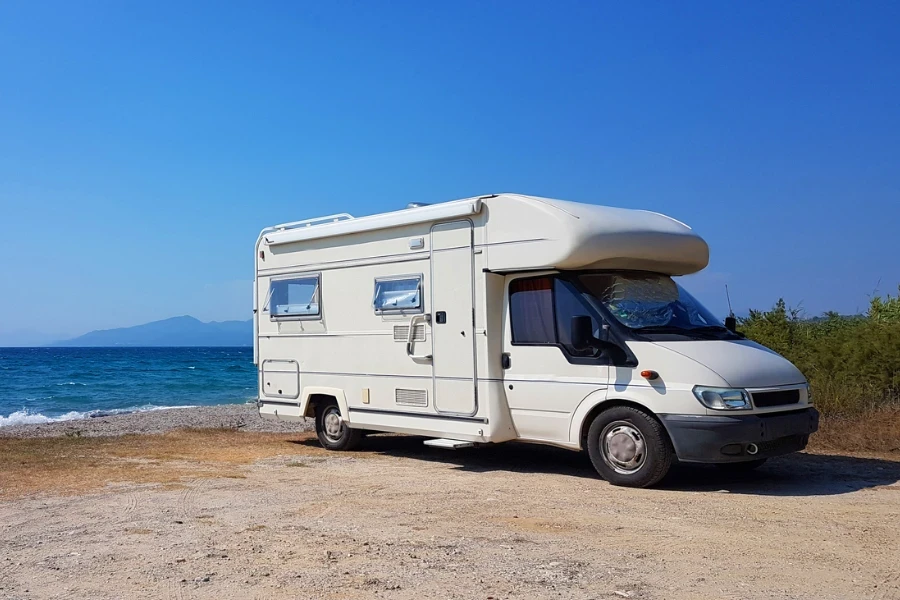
(852, 363)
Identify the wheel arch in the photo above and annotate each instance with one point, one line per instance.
(315, 395)
(580, 425)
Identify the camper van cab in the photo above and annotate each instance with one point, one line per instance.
(510, 317)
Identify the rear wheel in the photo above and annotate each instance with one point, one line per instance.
(628, 447)
(332, 431)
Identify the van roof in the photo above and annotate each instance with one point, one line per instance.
(531, 232)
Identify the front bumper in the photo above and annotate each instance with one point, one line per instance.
(726, 438)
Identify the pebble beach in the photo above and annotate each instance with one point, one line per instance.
(225, 416)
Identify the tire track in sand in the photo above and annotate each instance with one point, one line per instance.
(187, 499)
(131, 501)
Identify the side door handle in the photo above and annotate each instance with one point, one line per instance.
(411, 337)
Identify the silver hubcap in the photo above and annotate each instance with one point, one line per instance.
(333, 425)
(622, 447)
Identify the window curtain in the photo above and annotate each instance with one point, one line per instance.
(531, 306)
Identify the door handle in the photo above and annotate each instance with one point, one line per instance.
(505, 360)
(411, 336)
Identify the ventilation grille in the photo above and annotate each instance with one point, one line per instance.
(411, 397)
(401, 331)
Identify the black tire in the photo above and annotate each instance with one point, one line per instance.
(628, 447)
(743, 466)
(334, 434)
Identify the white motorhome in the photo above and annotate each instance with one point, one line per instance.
(510, 317)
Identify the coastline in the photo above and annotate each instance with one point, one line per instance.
(222, 416)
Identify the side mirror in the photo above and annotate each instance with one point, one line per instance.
(581, 333)
(731, 324)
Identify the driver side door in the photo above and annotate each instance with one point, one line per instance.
(547, 378)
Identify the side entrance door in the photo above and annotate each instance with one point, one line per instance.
(452, 318)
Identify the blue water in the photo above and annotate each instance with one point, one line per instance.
(39, 385)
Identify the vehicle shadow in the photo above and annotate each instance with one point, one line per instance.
(799, 474)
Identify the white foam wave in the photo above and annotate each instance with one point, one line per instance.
(71, 383)
(26, 417)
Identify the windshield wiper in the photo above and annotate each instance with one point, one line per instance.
(705, 331)
(659, 329)
(710, 328)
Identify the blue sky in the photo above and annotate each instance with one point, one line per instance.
(144, 145)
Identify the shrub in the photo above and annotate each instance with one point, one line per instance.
(852, 363)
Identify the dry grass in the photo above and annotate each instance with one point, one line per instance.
(874, 431)
(72, 465)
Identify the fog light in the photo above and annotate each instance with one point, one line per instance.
(732, 449)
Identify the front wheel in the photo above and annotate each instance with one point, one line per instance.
(331, 430)
(628, 447)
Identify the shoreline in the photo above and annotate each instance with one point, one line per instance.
(220, 416)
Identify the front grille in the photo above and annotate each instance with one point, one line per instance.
(777, 398)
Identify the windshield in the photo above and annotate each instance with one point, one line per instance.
(648, 301)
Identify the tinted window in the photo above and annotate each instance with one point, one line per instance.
(541, 311)
(569, 303)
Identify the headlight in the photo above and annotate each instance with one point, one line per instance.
(723, 398)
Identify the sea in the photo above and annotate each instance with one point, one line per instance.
(42, 385)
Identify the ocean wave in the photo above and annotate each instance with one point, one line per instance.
(135, 409)
(26, 417)
(72, 383)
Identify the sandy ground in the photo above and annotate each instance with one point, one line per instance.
(254, 515)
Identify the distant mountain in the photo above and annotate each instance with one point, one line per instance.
(177, 331)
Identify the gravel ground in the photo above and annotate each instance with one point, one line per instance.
(401, 521)
(229, 416)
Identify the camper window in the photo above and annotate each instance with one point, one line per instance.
(295, 298)
(398, 295)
